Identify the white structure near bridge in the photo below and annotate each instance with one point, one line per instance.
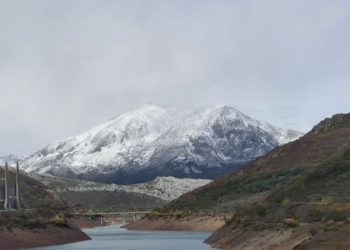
(10, 200)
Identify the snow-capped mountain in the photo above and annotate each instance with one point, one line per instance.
(156, 141)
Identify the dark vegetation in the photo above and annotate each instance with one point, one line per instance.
(318, 200)
(178, 214)
(34, 218)
(219, 197)
(111, 201)
(40, 206)
(328, 182)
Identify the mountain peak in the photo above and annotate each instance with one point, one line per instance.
(222, 108)
(150, 106)
(155, 141)
(218, 112)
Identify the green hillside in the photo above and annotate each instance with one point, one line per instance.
(111, 201)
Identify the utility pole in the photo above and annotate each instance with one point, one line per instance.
(17, 186)
(6, 203)
(1, 179)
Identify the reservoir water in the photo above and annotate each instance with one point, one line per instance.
(116, 238)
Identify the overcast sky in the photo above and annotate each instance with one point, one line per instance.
(66, 66)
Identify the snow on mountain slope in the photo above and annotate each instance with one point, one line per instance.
(155, 141)
(210, 141)
(113, 142)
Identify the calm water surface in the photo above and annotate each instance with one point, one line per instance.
(116, 238)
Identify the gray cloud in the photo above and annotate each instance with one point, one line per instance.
(66, 66)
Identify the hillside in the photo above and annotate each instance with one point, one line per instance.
(312, 212)
(296, 196)
(154, 141)
(113, 197)
(256, 179)
(42, 212)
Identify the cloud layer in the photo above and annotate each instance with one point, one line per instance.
(66, 66)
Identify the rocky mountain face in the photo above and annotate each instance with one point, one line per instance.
(156, 141)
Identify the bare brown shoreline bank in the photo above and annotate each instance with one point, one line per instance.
(16, 238)
(84, 223)
(199, 224)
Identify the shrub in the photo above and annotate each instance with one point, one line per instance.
(316, 215)
(34, 223)
(59, 220)
(182, 213)
(256, 209)
(285, 202)
(226, 220)
(346, 154)
(291, 222)
(325, 201)
(337, 213)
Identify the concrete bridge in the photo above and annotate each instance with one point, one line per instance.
(124, 217)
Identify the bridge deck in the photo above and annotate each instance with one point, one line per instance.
(114, 213)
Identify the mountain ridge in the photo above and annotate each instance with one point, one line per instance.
(156, 141)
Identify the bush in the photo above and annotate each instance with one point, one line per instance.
(34, 223)
(336, 213)
(226, 219)
(59, 220)
(255, 210)
(316, 215)
(291, 222)
(182, 213)
(285, 202)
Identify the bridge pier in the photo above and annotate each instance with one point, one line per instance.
(6, 202)
(7, 197)
(17, 186)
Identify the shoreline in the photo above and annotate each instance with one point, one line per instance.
(194, 224)
(16, 238)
